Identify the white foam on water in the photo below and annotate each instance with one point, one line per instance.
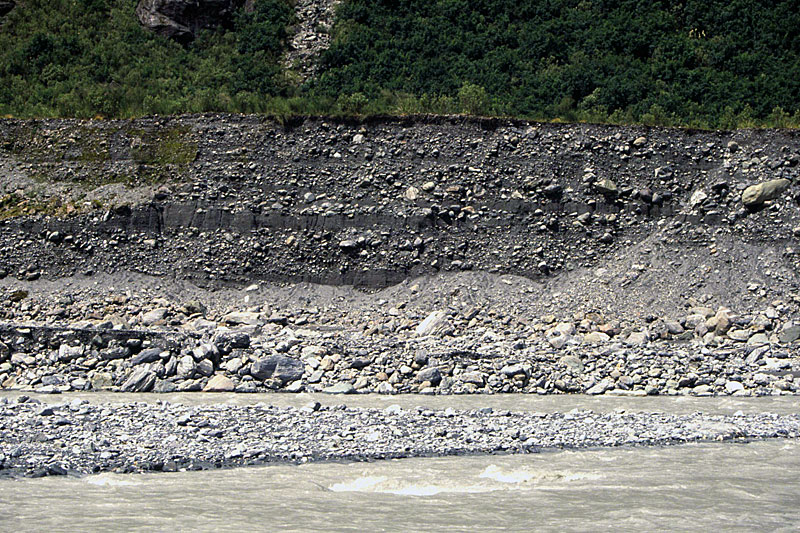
(109, 480)
(362, 484)
(383, 485)
(495, 473)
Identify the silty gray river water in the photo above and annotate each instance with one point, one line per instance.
(711, 486)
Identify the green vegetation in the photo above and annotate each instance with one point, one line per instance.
(699, 63)
(83, 58)
(14, 205)
(167, 147)
(702, 63)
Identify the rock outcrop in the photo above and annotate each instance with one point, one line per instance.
(6, 7)
(181, 19)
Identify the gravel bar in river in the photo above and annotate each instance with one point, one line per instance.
(81, 438)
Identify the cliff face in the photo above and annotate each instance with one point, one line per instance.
(181, 19)
(231, 199)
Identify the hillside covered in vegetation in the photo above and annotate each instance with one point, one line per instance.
(698, 63)
(92, 57)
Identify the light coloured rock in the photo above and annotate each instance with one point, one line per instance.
(340, 388)
(758, 339)
(756, 195)
(186, 367)
(733, 387)
(694, 320)
(574, 364)
(233, 365)
(740, 335)
(69, 353)
(723, 321)
(385, 388)
(763, 379)
(601, 387)
(219, 383)
(673, 327)
(102, 380)
(475, 377)
(313, 351)
(596, 337)
(327, 363)
(606, 186)
(637, 338)
(246, 318)
(435, 323)
(698, 197)
(154, 315)
(559, 335)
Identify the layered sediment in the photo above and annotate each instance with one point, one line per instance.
(433, 254)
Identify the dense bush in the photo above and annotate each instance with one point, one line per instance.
(91, 57)
(696, 62)
(702, 63)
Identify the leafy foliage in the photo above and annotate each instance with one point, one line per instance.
(693, 62)
(700, 63)
(91, 57)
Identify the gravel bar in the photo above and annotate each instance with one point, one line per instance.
(80, 438)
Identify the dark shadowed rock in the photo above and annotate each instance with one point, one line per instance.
(431, 375)
(284, 369)
(146, 356)
(181, 19)
(6, 7)
(141, 380)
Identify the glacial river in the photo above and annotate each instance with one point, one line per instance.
(695, 487)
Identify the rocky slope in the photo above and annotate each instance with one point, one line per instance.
(490, 256)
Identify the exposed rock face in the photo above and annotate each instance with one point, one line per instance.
(181, 19)
(312, 35)
(6, 7)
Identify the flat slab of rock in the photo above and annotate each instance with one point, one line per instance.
(284, 369)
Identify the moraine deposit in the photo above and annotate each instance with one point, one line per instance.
(438, 255)
(430, 255)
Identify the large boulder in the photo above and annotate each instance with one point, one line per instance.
(284, 369)
(219, 383)
(141, 380)
(756, 195)
(181, 19)
(435, 323)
